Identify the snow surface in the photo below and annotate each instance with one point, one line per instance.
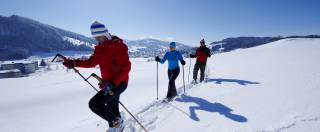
(274, 87)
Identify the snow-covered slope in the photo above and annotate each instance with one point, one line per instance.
(274, 87)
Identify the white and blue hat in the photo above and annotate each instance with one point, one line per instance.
(98, 29)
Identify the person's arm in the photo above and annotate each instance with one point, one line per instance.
(193, 55)
(88, 63)
(180, 56)
(181, 59)
(123, 62)
(208, 52)
(165, 57)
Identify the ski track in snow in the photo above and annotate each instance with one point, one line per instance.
(145, 114)
(149, 119)
(298, 120)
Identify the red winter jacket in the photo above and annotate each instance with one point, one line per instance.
(202, 54)
(113, 59)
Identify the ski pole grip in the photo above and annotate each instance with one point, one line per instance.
(107, 91)
(97, 77)
(58, 55)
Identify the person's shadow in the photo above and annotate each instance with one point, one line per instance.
(204, 105)
(240, 82)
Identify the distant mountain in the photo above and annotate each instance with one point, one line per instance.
(230, 44)
(21, 37)
(151, 47)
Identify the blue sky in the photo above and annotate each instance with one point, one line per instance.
(184, 21)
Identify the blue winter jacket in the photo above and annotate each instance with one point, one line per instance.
(173, 58)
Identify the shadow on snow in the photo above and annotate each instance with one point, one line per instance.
(240, 82)
(205, 105)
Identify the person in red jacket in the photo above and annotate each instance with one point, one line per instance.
(202, 54)
(111, 54)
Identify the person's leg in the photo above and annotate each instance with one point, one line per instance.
(107, 106)
(170, 74)
(98, 105)
(172, 88)
(114, 104)
(175, 76)
(195, 71)
(202, 71)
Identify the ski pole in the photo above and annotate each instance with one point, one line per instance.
(206, 71)
(189, 70)
(184, 86)
(157, 80)
(111, 93)
(133, 117)
(76, 71)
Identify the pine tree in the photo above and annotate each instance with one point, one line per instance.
(43, 63)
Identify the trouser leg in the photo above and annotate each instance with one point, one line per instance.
(195, 71)
(107, 106)
(202, 71)
(172, 74)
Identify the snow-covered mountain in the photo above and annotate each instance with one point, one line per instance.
(234, 43)
(151, 47)
(20, 37)
(270, 88)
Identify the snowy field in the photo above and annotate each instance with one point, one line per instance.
(274, 87)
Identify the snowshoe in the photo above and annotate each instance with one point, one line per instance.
(118, 125)
(194, 82)
(167, 100)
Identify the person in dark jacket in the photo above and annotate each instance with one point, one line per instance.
(111, 54)
(173, 58)
(202, 54)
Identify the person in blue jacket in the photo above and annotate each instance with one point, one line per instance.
(173, 58)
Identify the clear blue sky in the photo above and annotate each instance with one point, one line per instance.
(184, 21)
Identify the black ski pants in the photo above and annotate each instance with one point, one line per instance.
(202, 67)
(172, 75)
(107, 106)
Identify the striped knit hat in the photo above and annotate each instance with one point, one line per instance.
(98, 29)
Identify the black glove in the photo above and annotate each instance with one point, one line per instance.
(192, 56)
(70, 63)
(209, 55)
(183, 62)
(157, 59)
